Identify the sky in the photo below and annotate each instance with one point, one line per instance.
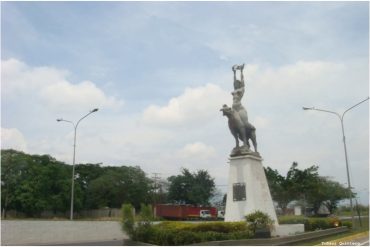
(159, 72)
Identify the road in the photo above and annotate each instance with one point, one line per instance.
(49, 232)
(360, 239)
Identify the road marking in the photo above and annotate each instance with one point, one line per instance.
(365, 243)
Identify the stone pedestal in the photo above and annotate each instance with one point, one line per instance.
(248, 190)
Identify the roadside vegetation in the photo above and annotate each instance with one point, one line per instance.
(39, 186)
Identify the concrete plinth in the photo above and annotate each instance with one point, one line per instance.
(248, 190)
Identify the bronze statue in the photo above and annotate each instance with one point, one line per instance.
(238, 118)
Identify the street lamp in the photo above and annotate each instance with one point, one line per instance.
(345, 147)
(74, 154)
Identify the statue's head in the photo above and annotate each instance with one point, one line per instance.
(227, 111)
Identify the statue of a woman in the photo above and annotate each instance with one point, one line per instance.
(238, 93)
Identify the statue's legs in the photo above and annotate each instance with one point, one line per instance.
(254, 140)
(244, 118)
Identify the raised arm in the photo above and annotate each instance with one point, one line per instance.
(234, 70)
(241, 75)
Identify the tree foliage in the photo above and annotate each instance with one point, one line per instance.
(306, 186)
(32, 184)
(191, 188)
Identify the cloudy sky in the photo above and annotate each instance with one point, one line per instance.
(160, 71)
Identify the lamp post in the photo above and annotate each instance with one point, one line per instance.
(74, 155)
(345, 147)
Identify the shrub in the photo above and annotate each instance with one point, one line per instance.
(128, 219)
(146, 212)
(291, 219)
(240, 235)
(347, 224)
(143, 233)
(224, 227)
(181, 233)
(312, 224)
(186, 237)
(163, 236)
(258, 220)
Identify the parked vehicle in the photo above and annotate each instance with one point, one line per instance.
(185, 212)
(221, 214)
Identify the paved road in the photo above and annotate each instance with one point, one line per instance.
(359, 239)
(91, 243)
(45, 232)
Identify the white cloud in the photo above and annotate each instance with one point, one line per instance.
(197, 150)
(50, 87)
(199, 103)
(13, 139)
(298, 74)
(85, 94)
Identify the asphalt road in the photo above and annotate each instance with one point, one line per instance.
(48, 232)
(90, 243)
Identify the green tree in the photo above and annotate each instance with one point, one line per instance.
(305, 185)
(14, 168)
(280, 188)
(118, 185)
(191, 188)
(85, 174)
(33, 183)
(329, 193)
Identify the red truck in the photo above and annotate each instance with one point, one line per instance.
(184, 212)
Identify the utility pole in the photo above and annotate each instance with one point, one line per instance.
(156, 177)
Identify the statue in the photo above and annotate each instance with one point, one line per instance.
(238, 118)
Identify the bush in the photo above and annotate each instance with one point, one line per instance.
(143, 233)
(223, 227)
(146, 212)
(312, 224)
(180, 233)
(128, 219)
(259, 220)
(291, 219)
(186, 238)
(163, 236)
(347, 224)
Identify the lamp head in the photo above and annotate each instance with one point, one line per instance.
(59, 119)
(94, 110)
(308, 108)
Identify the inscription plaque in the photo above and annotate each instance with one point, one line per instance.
(239, 193)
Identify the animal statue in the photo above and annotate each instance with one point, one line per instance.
(240, 130)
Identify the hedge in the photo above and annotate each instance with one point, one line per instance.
(180, 233)
(224, 227)
(314, 223)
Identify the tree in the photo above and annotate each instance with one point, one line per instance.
(329, 193)
(33, 183)
(191, 188)
(85, 174)
(305, 185)
(13, 171)
(118, 185)
(280, 188)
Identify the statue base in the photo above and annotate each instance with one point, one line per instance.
(248, 190)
